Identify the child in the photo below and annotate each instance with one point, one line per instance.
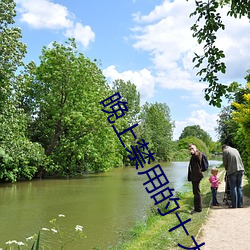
(214, 185)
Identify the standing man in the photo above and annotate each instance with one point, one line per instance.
(235, 170)
(195, 175)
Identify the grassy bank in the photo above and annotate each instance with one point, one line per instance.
(153, 233)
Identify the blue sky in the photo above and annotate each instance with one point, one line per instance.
(148, 42)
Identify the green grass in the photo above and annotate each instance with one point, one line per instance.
(246, 187)
(153, 233)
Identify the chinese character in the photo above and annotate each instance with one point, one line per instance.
(196, 247)
(111, 99)
(124, 131)
(157, 180)
(162, 195)
(118, 108)
(166, 207)
(138, 155)
(181, 224)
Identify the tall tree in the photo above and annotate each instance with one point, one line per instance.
(196, 131)
(229, 130)
(19, 157)
(130, 95)
(12, 51)
(184, 142)
(227, 127)
(67, 118)
(207, 24)
(241, 115)
(157, 129)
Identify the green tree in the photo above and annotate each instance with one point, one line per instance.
(215, 147)
(241, 116)
(12, 50)
(229, 130)
(196, 131)
(207, 25)
(233, 126)
(20, 158)
(66, 117)
(130, 95)
(183, 144)
(227, 127)
(156, 128)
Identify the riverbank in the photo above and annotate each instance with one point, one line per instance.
(153, 233)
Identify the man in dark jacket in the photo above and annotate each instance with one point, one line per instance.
(195, 175)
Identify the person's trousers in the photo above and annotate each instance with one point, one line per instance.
(214, 195)
(235, 182)
(197, 196)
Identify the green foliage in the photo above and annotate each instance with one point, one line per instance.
(66, 117)
(230, 130)
(241, 116)
(227, 127)
(215, 147)
(205, 28)
(51, 121)
(237, 8)
(36, 243)
(233, 123)
(20, 158)
(12, 50)
(196, 131)
(157, 129)
(130, 95)
(181, 154)
(201, 146)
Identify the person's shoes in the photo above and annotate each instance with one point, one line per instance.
(231, 206)
(240, 206)
(217, 204)
(194, 212)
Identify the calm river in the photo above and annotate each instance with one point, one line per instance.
(104, 204)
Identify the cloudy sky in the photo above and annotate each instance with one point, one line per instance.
(148, 42)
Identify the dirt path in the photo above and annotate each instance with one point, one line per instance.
(226, 228)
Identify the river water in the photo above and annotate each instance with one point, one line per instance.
(105, 204)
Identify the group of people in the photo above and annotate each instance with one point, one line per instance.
(234, 167)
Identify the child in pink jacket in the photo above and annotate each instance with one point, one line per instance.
(214, 186)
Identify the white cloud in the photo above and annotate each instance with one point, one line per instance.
(44, 14)
(143, 80)
(83, 34)
(165, 33)
(208, 122)
(167, 36)
(235, 41)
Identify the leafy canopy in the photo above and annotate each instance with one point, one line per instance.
(205, 28)
(196, 131)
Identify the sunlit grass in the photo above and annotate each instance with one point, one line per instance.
(153, 232)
